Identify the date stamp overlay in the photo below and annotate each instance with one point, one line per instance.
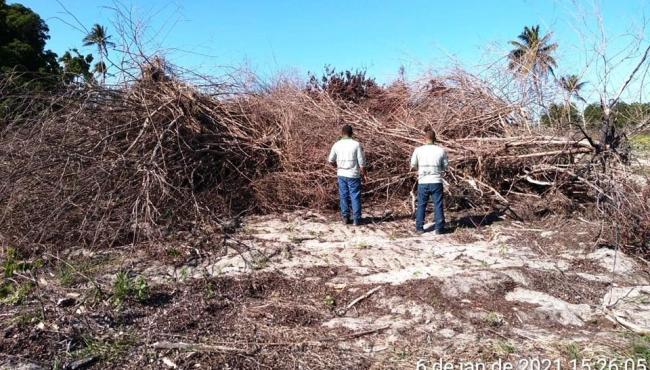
(536, 364)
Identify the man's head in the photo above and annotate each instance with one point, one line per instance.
(346, 130)
(430, 135)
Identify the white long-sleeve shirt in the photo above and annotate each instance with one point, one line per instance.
(348, 156)
(431, 161)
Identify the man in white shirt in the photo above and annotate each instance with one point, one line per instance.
(347, 156)
(431, 162)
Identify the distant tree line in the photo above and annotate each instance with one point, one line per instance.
(623, 114)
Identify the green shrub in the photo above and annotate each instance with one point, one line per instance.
(126, 287)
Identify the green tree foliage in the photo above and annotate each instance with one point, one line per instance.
(76, 67)
(623, 114)
(636, 113)
(593, 114)
(558, 115)
(22, 41)
(347, 86)
(25, 64)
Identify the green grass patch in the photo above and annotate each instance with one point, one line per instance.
(127, 287)
(494, 319)
(14, 284)
(641, 142)
(504, 348)
(13, 294)
(173, 252)
(73, 272)
(329, 301)
(66, 275)
(104, 349)
(12, 263)
(573, 351)
(25, 317)
(640, 348)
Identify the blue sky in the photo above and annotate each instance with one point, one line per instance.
(279, 36)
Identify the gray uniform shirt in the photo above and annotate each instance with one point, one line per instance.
(348, 156)
(431, 161)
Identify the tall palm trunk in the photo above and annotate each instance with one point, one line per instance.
(101, 60)
(567, 100)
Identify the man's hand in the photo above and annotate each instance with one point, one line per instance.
(364, 174)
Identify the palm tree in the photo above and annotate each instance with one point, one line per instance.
(532, 55)
(572, 85)
(100, 38)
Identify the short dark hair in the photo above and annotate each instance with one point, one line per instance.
(430, 134)
(346, 130)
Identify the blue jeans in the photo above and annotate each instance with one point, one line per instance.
(350, 194)
(435, 191)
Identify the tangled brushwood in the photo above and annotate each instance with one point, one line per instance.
(100, 166)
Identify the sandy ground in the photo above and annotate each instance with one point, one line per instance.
(536, 294)
(303, 286)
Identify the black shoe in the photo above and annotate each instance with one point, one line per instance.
(346, 221)
(356, 222)
(438, 232)
(419, 231)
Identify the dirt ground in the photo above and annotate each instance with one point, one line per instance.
(303, 291)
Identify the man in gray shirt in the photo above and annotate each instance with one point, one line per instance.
(431, 162)
(347, 156)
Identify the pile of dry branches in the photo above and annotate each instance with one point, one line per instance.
(100, 166)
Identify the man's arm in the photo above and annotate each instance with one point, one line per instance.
(332, 157)
(361, 160)
(414, 160)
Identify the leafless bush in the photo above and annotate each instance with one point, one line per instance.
(108, 166)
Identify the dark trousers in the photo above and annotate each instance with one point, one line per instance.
(424, 192)
(350, 197)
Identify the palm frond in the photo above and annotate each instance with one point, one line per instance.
(532, 53)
